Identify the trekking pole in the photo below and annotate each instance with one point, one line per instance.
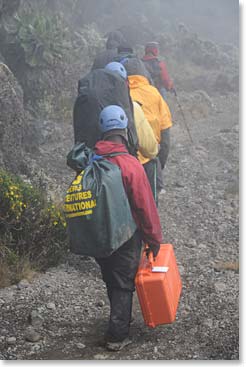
(182, 113)
(188, 130)
(155, 182)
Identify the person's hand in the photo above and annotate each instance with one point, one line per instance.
(154, 249)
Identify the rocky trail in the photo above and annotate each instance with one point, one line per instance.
(62, 313)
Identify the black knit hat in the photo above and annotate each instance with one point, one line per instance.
(115, 39)
(135, 66)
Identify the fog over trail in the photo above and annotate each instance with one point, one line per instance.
(61, 313)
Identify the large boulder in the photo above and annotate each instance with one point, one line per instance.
(12, 118)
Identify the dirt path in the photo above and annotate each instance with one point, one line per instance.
(199, 215)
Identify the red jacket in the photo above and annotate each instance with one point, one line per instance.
(165, 79)
(138, 190)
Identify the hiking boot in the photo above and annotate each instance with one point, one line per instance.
(116, 346)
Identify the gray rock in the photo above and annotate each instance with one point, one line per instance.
(41, 309)
(36, 348)
(11, 356)
(209, 323)
(51, 306)
(11, 340)
(220, 287)
(80, 346)
(192, 243)
(19, 307)
(181, 269)
(31, 335)
(35, 319)
(101, 356)
(9, 297)
(23, 284)
(100, 303)
(202, 246)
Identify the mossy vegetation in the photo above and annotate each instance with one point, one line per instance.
(43, 37)
(32, 230)
(52, 55)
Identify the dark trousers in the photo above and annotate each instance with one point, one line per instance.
(159, 178)
(151, 172)
(118, 272)
(163, 93)
(165, 147)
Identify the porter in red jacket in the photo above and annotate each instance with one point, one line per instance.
(120, 268)
(138, 190)
(157, 68)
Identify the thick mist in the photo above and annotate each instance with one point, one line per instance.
(216, 20)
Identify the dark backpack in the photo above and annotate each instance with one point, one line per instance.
(120, 57)
(153, 67)
(103, 58)
(98, 214)
(97, 90)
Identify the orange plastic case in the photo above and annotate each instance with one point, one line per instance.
(158, 286)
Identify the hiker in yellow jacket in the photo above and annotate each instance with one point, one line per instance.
(147, 142)
(155, 110)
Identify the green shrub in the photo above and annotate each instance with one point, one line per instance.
(44, 38)
(47, 39)
(87, 41)
(31, 227)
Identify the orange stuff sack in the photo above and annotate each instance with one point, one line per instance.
(158, 286)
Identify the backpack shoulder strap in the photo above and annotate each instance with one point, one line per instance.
(97, 157)
(113, 154)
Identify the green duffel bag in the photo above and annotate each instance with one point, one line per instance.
(97, 210)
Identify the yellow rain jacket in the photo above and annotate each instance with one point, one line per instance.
(148, 146)
(153, 105)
